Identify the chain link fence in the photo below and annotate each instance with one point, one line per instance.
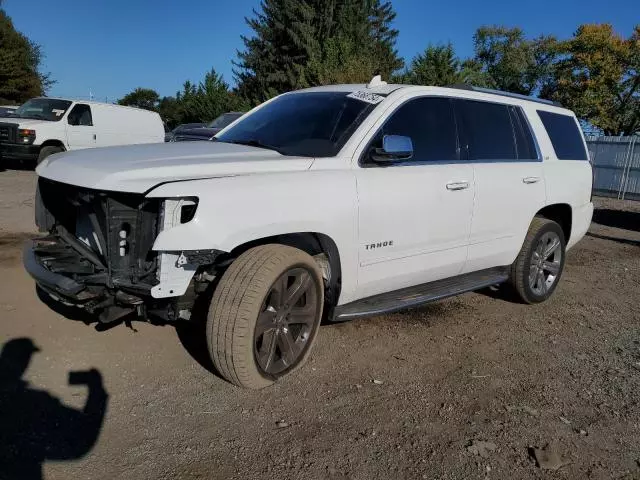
(616, 166)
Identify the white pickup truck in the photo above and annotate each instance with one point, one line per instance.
(330, 203)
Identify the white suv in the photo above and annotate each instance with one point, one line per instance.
(329, 203)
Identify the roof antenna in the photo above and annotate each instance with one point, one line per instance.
(376, 81)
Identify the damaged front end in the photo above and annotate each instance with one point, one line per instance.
(98, 253)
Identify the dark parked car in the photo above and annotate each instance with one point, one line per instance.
(7, 111)
(168, 136)
(210, 130)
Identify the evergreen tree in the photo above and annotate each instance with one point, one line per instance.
(274, 59)
(384, 38)
(300, 43)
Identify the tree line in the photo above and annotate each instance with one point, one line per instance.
(300, 43)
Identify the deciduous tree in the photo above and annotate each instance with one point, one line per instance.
(20, 62)
(598, 77)
(511, 62)
(141, 98)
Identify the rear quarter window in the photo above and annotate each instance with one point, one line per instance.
(564, 134)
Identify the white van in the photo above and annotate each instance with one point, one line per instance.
(44, 126)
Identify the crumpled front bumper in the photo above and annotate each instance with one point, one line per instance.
(54, 283)
(50, 261)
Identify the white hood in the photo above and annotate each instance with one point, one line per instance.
(139, 168)
(26, 122)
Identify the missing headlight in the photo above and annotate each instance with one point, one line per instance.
(188, 212)
(177, 211)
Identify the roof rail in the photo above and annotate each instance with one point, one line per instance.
(464, 86)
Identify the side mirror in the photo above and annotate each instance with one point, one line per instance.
(394, 147)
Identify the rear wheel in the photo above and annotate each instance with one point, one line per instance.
(264, 315)
(46, 151)
(537, 270)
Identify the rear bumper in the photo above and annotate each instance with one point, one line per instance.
(13, 151)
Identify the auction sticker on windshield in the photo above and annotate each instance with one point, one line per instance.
(366, 97)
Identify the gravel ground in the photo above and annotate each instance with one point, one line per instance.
(473, 387)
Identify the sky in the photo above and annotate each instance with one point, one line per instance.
(110, 47)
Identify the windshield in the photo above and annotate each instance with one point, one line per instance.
(43, 109)
(313, 124)
(224, 120)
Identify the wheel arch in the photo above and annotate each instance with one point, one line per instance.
(313, 243)
(53, 143)
(562, 214)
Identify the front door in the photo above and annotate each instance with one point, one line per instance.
(414, 215)
(81, 132)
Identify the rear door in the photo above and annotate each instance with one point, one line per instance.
(510, 187)
(81, 133)
(414, 215)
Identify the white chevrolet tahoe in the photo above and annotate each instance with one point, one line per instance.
(330, 203)
(44, 126)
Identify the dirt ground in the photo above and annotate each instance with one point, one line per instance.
(464, 388)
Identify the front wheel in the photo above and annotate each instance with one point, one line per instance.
(264, 315)
(46, 151)
(537, 270)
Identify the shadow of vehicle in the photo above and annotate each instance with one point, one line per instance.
(10, 164)
(67, 311)
(505, 292)
(617, 218)
(626, 241)
(36, 426)
(192, 333)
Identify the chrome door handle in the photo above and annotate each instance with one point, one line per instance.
(457, 185)
(531, 179)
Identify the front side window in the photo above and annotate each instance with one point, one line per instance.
(488, 130)
(80, 115)
(430, 123)
(49, 109)
(313, 124)
(565, 136)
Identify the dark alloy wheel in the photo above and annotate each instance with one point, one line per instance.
(264, 315)
(537, 270)
(286, 322)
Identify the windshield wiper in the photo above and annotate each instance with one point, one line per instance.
(255, 143)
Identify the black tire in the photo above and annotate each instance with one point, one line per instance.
(239, 307)
(528, 266)
(46, 151)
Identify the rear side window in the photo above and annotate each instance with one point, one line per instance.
(565, 136)
(430, 124)
(488, 130)
(525, 145)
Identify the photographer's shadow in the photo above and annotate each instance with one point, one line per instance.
(34, 425)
